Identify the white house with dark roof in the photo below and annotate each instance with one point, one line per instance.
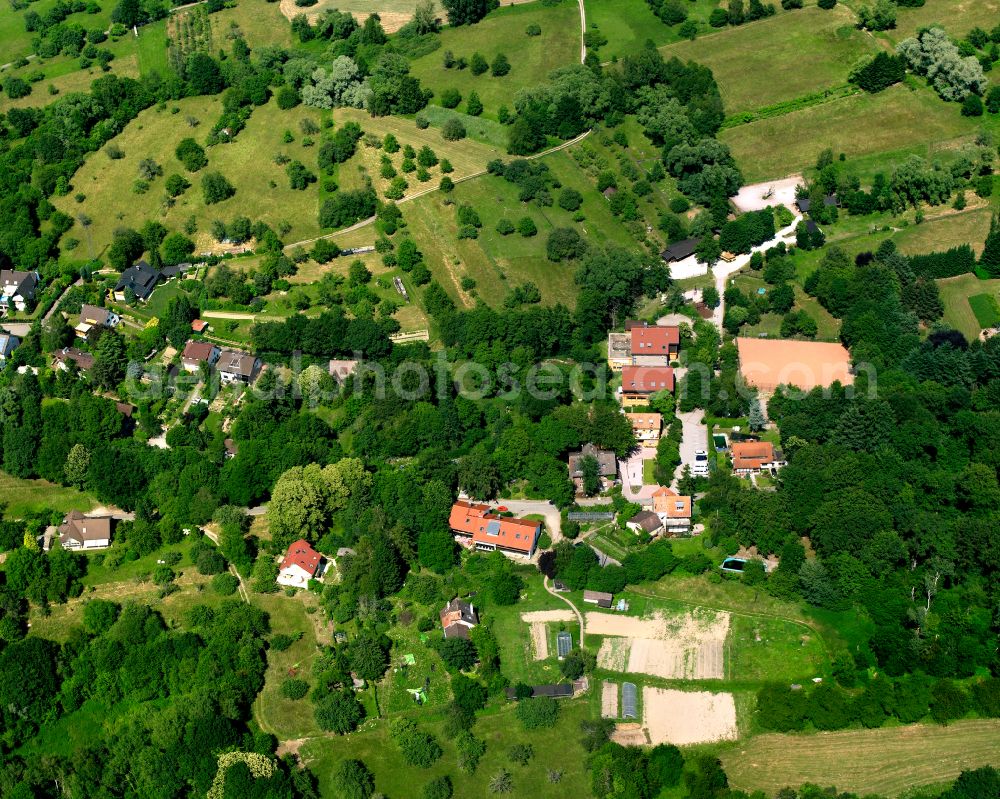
(17, 289)
(234, 366)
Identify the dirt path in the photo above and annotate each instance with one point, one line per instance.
(370, 220)
(242, 589)
(579, 615)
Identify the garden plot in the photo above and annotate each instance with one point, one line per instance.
(682, 647)
(538, 620)
(688, 717)
(609, 700)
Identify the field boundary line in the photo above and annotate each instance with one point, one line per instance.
(747, 614)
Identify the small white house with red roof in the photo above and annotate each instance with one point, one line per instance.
(301, 564)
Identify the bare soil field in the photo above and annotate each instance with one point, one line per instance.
(630, 735)
(688, 717)
(394, 15)
(609, 700)
(540, 640)
(686, 647)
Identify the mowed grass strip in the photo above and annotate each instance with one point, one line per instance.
(957, 294)
(247, 162)
(885, 761)
(532, 58)
(779, 58)
(859, 125)
(984, 306)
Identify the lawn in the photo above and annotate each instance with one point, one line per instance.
(984, 306)
(555, 748)
(19, 497)
(856, 760)
(247, 163)
(947, 231)
(517, 660)
(532, 58)
(958, 294)
(859, 125)
(287, 718)
(762, 649)
(761, 63)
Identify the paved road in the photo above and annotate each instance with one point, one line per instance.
(631, 472)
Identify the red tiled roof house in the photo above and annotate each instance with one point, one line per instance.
(301, 564)
(750, 457)
(655, 345)
(487, 531)
(673, 509)
(638, 382)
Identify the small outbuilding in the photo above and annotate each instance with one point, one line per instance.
(564, 644)
(600, 598)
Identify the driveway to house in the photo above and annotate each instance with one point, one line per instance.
(631, 471)
(694, 436)
(538, 507)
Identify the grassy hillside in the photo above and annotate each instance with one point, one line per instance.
(957, 16)
(629, 24)
(248, 163)
(15, 41)
(503, 31)
(22, 496)
(780, 58)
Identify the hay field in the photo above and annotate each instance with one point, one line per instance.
(859, 125)
(886, 761)
(761, 63)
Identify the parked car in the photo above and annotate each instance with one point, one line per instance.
(700, 466)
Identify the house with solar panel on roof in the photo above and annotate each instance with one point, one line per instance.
(482, 528)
